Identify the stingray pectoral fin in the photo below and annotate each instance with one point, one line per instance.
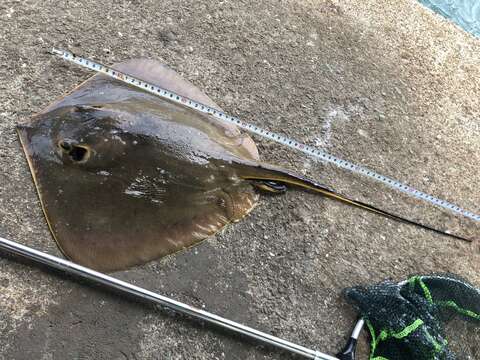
(110, 234)
(264, 172)
(101, 226)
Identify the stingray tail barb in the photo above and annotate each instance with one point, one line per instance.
(265, 172)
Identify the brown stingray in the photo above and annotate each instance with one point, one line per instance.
(125, 177)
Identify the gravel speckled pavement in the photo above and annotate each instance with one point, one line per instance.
(387, 84)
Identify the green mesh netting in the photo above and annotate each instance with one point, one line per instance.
(406, 319)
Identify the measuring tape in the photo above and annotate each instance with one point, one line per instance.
(291, 143)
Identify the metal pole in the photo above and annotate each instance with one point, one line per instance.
(143, 294)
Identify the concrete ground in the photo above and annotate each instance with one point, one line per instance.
(387, 84)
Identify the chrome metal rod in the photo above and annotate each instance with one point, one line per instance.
(357, 329)
(143, 294)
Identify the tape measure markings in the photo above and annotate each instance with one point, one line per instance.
(306, 149)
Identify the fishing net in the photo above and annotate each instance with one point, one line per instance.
(406, 320)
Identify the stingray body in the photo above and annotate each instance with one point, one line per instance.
(125, 177)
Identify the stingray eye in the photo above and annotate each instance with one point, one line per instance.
(65, 145)
(77, 153)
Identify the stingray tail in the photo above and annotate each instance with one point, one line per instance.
(264, 172)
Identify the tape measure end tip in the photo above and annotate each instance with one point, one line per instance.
(56, 52)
